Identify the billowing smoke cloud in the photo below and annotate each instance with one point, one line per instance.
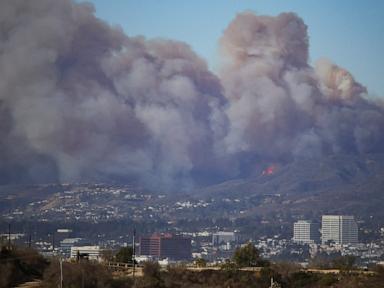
(280, 107)
(337, 82)
(80, 100)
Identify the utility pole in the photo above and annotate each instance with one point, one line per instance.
(9, 236)
(82, 278)
(53, 242)
(30, 240)
(133, 252)
(61, 273)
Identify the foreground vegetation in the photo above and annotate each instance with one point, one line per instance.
(18, 265)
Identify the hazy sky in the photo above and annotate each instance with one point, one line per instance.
(346, 31)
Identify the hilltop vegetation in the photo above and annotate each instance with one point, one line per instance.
(18, 265)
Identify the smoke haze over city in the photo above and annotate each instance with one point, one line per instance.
(82, 101)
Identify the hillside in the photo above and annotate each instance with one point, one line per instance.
(263, 205)
(334, 184)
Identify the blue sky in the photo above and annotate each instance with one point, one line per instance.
(349, 32)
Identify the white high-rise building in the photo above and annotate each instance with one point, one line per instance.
(305, 232)
(340, 229)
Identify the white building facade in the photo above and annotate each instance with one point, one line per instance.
(340, 229)
(89, 252)
(305, 232)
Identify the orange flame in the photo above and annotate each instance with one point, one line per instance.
(269, 170)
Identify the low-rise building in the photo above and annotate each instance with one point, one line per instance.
(221, 237)
(87, 252)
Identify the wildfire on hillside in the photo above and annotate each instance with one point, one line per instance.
(269, 170)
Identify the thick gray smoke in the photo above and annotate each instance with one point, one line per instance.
(80, 100)
(280, 107)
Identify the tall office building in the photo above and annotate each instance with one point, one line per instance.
(340, 229)
(306, 232)
(170, 246)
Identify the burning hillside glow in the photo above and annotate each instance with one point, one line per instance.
(269, 170)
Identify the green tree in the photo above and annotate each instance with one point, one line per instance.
(107, 255)
(201, 262)
(85, 274)
(152, 276)
(344, 263)
(247, 256)
(19, 265)
(124, 255)
(228, 265)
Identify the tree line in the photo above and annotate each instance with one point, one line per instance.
(18, 265)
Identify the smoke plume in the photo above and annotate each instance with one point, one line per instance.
(279, 107)
(82, 101)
